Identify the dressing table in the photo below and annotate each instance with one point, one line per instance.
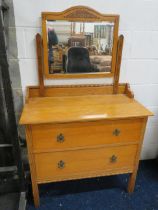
(81, 131)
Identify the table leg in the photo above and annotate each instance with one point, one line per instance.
(35, 194)
(131, 182)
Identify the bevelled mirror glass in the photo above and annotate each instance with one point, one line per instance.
(79, 42)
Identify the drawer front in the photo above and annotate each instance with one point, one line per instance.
(84, 163)
(61, 136)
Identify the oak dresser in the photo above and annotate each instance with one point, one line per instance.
(82, 132)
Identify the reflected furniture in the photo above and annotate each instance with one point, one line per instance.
(82, 131)
(76, 41)
(78, 60)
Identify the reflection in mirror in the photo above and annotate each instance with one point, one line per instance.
(79, 47)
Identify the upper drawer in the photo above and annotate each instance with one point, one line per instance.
(62, 136)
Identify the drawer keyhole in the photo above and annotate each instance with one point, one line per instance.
(60, 138)
(61, 164)
(116, 132)
(113, 159)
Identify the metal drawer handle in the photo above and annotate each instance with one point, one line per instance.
(116, 132)
(113, 159)
(61, 164)
(60, 138)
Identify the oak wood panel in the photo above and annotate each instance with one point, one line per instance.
(132, 179)
(81, 108)
(32, 167)
(80, 162)
(27, 96)
(118, 63)
(85, 134)
(128, 92)
(75, 90)
(39, 53)
(91, 174)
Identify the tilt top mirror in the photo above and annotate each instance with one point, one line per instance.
(79, 43)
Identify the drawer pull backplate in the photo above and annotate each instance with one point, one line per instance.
(61, 164)
(60, 138)
(116, 132)
(113, 159)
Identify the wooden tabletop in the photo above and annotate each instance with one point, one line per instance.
(81, 108)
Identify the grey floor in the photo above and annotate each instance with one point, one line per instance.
(9, 201)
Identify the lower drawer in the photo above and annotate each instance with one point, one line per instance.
(84, 163)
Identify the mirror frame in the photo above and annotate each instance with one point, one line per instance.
(79, 14)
